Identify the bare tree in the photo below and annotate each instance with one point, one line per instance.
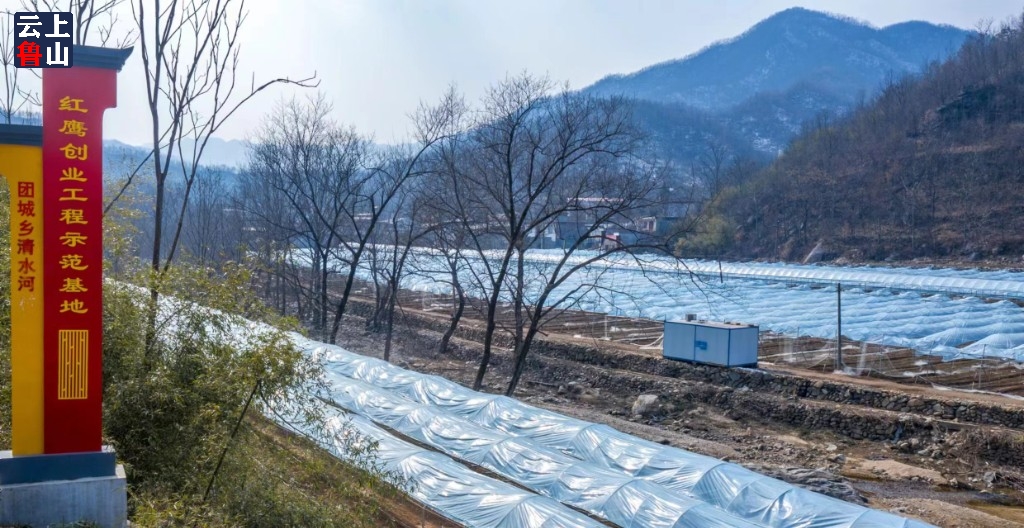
(268, 233)
(92, 18)
(211, 232)
(190, 54)
(338, 191)
(537, 161)
(304, 162)
(611, 230)
(374, 194)
(407, 225)
(710, 167)
(447, 239)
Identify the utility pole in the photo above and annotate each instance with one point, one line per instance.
(839, 326)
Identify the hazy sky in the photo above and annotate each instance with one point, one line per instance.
(376, 59)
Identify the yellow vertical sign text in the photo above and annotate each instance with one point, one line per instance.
(22, 167)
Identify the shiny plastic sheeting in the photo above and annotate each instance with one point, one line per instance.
(729, 487)
(944, 281)
(889, 306)
(622, 499)
(448, 487)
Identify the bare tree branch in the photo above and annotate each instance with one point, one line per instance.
(190, 53)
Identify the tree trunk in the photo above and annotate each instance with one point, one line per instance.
(154, 292)
(324, 302)
(344, 301)
(282, 295)
(459, 306)
(492, 309)
(522, 350)
(518, 301)
(492, 323)
(158, 222)
(390, 325)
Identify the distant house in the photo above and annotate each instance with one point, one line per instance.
(563, 233)
(655, 225)
(613, 239)
(570, 227)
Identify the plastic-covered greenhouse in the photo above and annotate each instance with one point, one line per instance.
(453, 489)
(1000, 284)
(888, 306)
(595, 468)
(608, 494)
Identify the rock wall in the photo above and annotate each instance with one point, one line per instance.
(787, 385)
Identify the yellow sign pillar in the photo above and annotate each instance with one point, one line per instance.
(21, 164)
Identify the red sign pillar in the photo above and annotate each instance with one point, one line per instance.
(74, 100)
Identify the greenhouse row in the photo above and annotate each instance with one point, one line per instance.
(999, 284)
(595, 468)
(949, 326)
(448, 487)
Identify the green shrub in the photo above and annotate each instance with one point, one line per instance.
(171, 410)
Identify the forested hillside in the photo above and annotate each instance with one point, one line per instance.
(933, 167)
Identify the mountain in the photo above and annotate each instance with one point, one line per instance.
(764, 84)
(229, 153)
(933, 167)
(796, 46)
(218, 152)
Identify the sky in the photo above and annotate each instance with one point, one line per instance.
(377, 59)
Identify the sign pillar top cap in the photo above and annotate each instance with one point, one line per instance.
(27, 135)
(106, 58)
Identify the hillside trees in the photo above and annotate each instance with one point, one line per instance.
(210, 234)
(930, 168)
(314, 185)
(479, 187)
(299, 187)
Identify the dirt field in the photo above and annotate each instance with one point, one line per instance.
(943, 466)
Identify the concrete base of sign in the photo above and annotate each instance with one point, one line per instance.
(26, 469)
(100, 501)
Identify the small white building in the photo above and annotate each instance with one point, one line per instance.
(724, 344)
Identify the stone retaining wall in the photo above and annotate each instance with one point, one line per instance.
(789, 385)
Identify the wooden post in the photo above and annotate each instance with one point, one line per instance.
(839, 326)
